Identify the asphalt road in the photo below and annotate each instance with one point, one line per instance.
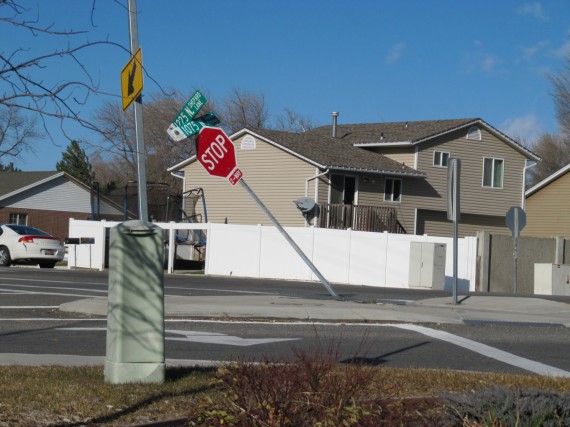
(32, 324)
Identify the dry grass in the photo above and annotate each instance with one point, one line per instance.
(50, 396)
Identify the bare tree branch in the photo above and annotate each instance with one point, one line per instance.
(25, 85)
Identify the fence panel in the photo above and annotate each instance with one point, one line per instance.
(342, 256)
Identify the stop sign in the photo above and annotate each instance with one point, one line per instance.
(217, 154)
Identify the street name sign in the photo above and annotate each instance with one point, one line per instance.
(132, 79)
(216, 152)
(183, 126)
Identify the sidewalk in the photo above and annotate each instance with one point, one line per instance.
(472, 309)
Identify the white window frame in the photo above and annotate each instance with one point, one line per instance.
(356, 185)
(18, 216)
(391, 193)
(473, 133)
(493, 171)
(441, 156)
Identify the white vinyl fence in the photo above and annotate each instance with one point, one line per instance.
(342, 256)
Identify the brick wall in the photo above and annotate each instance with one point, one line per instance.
(53, 222)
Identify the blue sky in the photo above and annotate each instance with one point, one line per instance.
(371, 60)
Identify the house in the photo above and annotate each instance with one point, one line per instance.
(547, 206)
(372, 177)
(47, 200)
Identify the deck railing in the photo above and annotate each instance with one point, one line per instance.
(361, 218)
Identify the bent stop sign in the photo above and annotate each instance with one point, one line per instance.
(216, 153)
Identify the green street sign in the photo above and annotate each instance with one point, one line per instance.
(182, 127)
(208, 119)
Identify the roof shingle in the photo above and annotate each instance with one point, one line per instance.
(333, 153)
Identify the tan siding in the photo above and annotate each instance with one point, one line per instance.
(436, 224)
(402, 155)
(431, 194)
(474, 198)
(547, 210)
(371, 193)
(275, 176)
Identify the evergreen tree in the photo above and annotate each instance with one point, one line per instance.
(9, 168)
(75, 162)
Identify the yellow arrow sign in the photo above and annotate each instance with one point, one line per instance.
(132, 79)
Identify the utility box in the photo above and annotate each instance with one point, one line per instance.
(551, 279)
(135, 313)
(427, 265)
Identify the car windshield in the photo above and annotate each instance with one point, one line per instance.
(24, 230)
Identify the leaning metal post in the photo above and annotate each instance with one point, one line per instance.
(307, 261)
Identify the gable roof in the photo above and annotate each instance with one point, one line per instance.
(325, 152)
(560, 173)
(12, 183)
(410, 133)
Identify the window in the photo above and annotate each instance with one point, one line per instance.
(392, 190)
(18, 218)
(440, 158)
(474, 133)
(493, 170)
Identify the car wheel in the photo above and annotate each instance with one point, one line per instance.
(47, 264)
(5, 259)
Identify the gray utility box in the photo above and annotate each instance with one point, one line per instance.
(135, 313)
(551, 279)
(427, 265)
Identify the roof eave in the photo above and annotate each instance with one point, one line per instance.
(276, 144)
(182, 164)
(547, 181)
(489, 128)
(35, 184)
(384, 144)
(377, 171)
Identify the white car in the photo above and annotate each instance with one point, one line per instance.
(21, 244)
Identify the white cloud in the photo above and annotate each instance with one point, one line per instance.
(525, 129)
(531, 51)
(395, 53)
(489, 63)
(563, 51)
(533, 9)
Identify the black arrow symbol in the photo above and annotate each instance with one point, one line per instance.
(130, 87)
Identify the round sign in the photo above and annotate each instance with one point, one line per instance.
(216, 152)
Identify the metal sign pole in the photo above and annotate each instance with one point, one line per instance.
(307, 261)
(516, 221)
(454, 213)
(141, 160)
(515, 251)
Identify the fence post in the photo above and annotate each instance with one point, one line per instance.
(483, 254)
(559, 257)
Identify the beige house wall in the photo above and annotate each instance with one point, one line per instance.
(406, 156)
(547, 210)
(475, 199)
(484, 207)
(435, 223)
(277, 177)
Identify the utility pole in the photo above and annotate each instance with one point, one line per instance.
(141, 156)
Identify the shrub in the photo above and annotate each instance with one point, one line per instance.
(313, 389)
(500, 406)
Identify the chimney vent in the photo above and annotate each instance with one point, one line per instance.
(334, 120)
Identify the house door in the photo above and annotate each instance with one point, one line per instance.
(343, 190)
(342, 198)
